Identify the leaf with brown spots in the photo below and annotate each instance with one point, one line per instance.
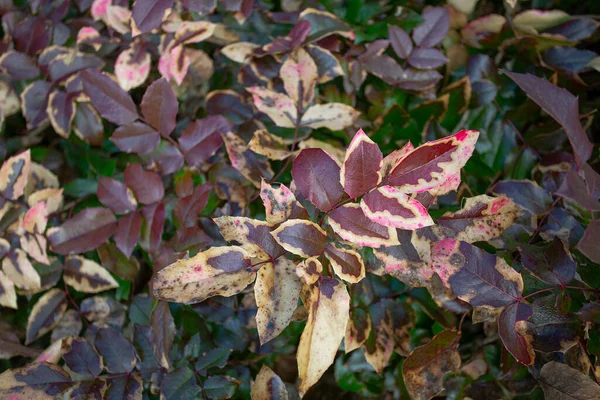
(222, 271)
(360, 170)
(350, 222)
(301, 237)
(328, 311)
(379, 349)
(424, 369)
(268, 386)
(268, 145)
(253, 167)
(279, 107)
(14, 174)
(18, 269)
(280, 203)
(347, 263)
(334, 116)
(8, 296)
(481, 218)
(45, 314)
(299, 76)
(358, 329)
(253, 235)
(389, 207)
(309, 270)
(514, 332)
(475, 276)
(277, 289)
(87, 276)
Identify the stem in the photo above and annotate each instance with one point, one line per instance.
(461, 321)
(561, 287)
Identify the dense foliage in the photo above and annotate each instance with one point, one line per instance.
(241, 198)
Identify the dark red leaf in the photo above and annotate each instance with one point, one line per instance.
(301, 237)
(434, 27)
(65, 65)
(166, 156)
(551, 262)
(347, 264)
(146, 185)
(154, 218)
(148, 14)
(32, 35)
(112, 102)
(188, 208)
(115, 195)
(588, 244)
(84, 232)
(512, 329)
(128, 232)
(201, 139)
(159, 105)
(361, 165)
(401, 42)
(88, 125)
(427, 58)
(135, 138)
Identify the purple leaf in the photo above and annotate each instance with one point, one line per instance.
(61, 111)
(148, 14)
(202, 138)
(512, 329)
(128, 232)
(526, 194)
(569, 59)
(35, 102)
(88, 125)
(588, 244)
(84, 232)
(573, 187)
(401, 42)
(301, 237)
(19, 66)
(427, 58)
(188, 208)
(166, 156)
(115, 195)
(575, 29)
(361, 165)
(135, 138)
(160, 106)
(146, 185)
(112, 102)
(434, 27)
(551, 262)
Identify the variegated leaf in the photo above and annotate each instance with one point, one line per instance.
(279, 107)
(514, 332)
(132, 68)
(309, 270)
(350, 222)
(301, 237)
(358, 329)
(268, 386)
(35, 246)
(46, 314)
(268, 145)
(8, 296)
(431, 164)
(223, 271)
(194, 32)
(36, 218)
(347, 264)
(361, 165)
(379, 351)
(393, 159)
(239, 52)
(334, 116)
(14, 174)
(253, 235)
(390, 207)
(253, 167)
(328, 66)
(87, 276)
(299, 76)
(18, 269)
(277, 289)
(280, 203)
(328, 311)
(53, 198)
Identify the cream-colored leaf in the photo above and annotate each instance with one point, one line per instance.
(87, 276)
(268, 386)
(239, 52)
(279, 107)
(8, 296)
(334, 116)
(299, 76)
(18, 269)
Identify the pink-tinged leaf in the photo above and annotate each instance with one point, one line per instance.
(148, 14)
(334, 116)
(481, 218)
(202, 138)
(550, 262)
(388, 206)
(268, 145)
(513, 330)
(160, 106)
(174, 63)
(427, 58)
(99, 8)
(89, 35)
(84, 232)
(475, 276)
(135, 138)
(588, 244)
(424, 369)
(393, 159)
(188, 208)
(35, 246)
(276, 290)
(429, 165)
(280, 204)
(223, 271)
(279, 107)
(299, 75)
(450, 184)
(36, 218)
(434, 27)
(128, 232)
(14, 174)
(116, 196)
(347, 263)
(152, 229)
(350, 222)
(401, 42)
(253, 235)
(527, 194)
(301, 237)
(112, 102)
(561, 105)
(132, 68)
(252, 166)
(317, 176)
(310, 270)
(61, 111)
(361, 165)
(146, 185)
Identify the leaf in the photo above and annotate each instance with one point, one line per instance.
(328, 66)
(481, 218)
(389, 207)
(118, 354)
(70, 325)
(551, 327)
(526, 194)
(299, 76)
(550, 262)
(112, 102)
(146, 185)
(588, 244)
(573, 187)
(328, 308)
(8, 296)
(84, 232)
(220, 387)
(45, 314)
(143, 342)
(271, 146)
(160, 106)
(431, 164)
(347, 264)
(334, 116)
(268, 385)
(240, 52)
(361, 165)
(148, 14)
(201, 139)
(323, 24)
(276, 290)
(401, 42)
(18, 269)
(128, 387)
(513, 330)
(188, 208)
(132, 68)
(83, 359)
(253, 167)
(309, 270)
(152, 228)
(215, 358)
(180, 384)
(423, 370)
(532, 21)
(475, 276)
(433, 29)
(61, 111)
(34, 103)
(423, 58)
(223, 271)
(559, 382)
(116, 196)
(163, 329)
(35, 381)
(128, 233)
(561, 105)
(301, 237)
(280, 203)
(194, 32)
(14, 174)
(379, 350)
(317, 177)
(279, 107)
(358, 329)
(253, 235)
(135, 138)
(87, 276)
(352, 225)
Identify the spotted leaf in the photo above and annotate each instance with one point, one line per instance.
(350, 222)
(14, 174)
(379, 351)
(309, 270)
(334, 116)
(268, 386)
(514, 332)
(277, 289)
(475, 276)
(223, 271)
(347, 264)
(84, 232)
(46, 314)
(361, 165)
(301, 237)
(279, 107)
(87, 276)
(390, 207)
(328, 311)
(252, 166)
(299, 76)
(268, 145)
(280, 203)
(253, 235)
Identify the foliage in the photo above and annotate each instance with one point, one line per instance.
(204, 199)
